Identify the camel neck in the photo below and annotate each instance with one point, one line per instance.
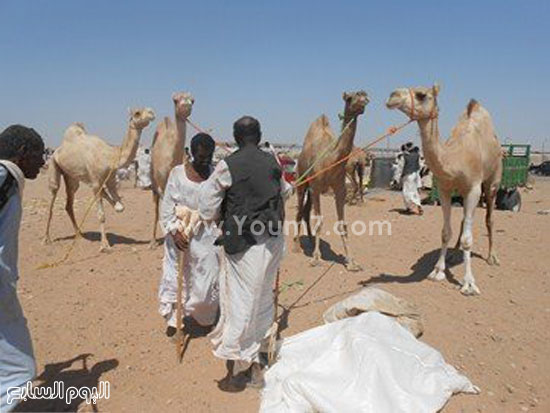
(181, 129)
(129, 147)
(345, 143)
(431, 145)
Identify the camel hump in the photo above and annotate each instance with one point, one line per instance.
(472, 105)
(78, 128)
(323, 121)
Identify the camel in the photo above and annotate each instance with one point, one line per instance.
(355, 170)
(87, 158)
(320, 141)
(168, 150)
(470, 162)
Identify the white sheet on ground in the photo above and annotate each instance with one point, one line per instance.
(367, 363)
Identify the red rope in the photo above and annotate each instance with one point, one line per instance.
(391, 131)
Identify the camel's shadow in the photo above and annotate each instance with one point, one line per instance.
(70, 377)
(327, 253)
(422, 268)
(113, 239)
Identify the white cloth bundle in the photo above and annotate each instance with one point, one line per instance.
(367, 363)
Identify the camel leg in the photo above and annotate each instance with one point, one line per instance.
(301, 193)
(490, 194)
(101, 216)
(317, 219)
(71, 186)
(156, 200)
(54, 181)
(438, 273)
(113, 197)
(466, 241)
(360, 174)
(340, 198)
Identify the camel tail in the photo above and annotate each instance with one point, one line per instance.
(472, 105)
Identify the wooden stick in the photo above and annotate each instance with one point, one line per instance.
(179, 327)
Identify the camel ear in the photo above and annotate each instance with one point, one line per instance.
(346, 96)
(174, 96)
(436, 89)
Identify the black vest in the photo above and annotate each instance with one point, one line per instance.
(253, 201)
(412, 163)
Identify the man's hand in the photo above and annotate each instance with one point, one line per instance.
(182, 242)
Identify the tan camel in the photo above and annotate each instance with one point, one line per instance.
(168, 150)
(355, 170)
(470, 162)
(89, 159)
(318, 140)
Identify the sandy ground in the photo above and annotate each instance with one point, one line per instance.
(95, 316)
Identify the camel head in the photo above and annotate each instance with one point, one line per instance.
(415, 102)
(141, 117)
(183, 102)
(355, 102)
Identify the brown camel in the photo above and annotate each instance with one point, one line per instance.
(89, 159)
(470, 162)
(320, 141)
(355, 170)
(168, 150)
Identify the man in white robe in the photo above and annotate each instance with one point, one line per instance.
(411, 180)
(246, 190)
(202, 257)
(143, 172)
(21, 156)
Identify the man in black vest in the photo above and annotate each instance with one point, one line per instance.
(410, 179)
(245, 192)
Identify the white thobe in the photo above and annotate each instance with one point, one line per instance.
(202, 257)
(144, 170)
(246, 286)
(411, 197)
(17, 364)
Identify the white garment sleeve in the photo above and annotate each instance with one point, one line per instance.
(168, 219)
(213, 190)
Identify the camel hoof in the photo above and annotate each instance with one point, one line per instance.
(105, 249)
(154, 244)
(352, 266)
(437, 275)
(469, 288)
(493, 260)
(119, 207)
(314, 262)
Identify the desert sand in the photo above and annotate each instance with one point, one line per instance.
(103, 307)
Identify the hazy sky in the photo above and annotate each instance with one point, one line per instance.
(285, 62)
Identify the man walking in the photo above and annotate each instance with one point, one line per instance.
(21, 156)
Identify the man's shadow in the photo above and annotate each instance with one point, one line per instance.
(422, 268)
(77, 377)
(327, 253)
